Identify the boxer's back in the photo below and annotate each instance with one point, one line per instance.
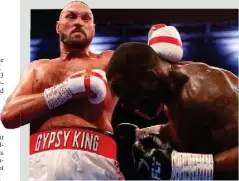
(76, 112)
(205, 113)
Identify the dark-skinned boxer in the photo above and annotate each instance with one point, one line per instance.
(201, 103)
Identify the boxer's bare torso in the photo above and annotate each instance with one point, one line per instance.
(76, 112)
(204, 110)
(27, 100)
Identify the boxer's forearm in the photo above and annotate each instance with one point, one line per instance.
(226, 162)
(165, 132)
(22, 110)
(148, 130)
(162, 129)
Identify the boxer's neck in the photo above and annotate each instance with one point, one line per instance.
(162, 71)
(175, 80)
(164, 80)
(71, 53)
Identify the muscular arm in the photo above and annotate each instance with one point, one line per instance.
(23, 109)
(25, 105)
(226, 162)
(219, 98)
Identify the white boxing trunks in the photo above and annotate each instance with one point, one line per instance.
(73, 154)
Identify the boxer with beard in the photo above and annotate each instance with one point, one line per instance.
(69, 105)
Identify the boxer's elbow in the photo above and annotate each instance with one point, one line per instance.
(10, 119)
(227, 161)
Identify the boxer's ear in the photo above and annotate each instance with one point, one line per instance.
(57, 27)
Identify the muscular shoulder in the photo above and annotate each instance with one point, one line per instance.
(208, 86)
(37, 64)
(106, 55)
(34, 68)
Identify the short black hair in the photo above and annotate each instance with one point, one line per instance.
(131, 58)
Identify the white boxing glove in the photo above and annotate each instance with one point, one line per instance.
(82, 81)
(166, 42)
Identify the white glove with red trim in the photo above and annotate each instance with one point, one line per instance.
(166, 42)
(80, 82)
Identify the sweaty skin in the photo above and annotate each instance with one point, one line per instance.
(207, 104)
(203, 114)
(200, 101)
(27, 105)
